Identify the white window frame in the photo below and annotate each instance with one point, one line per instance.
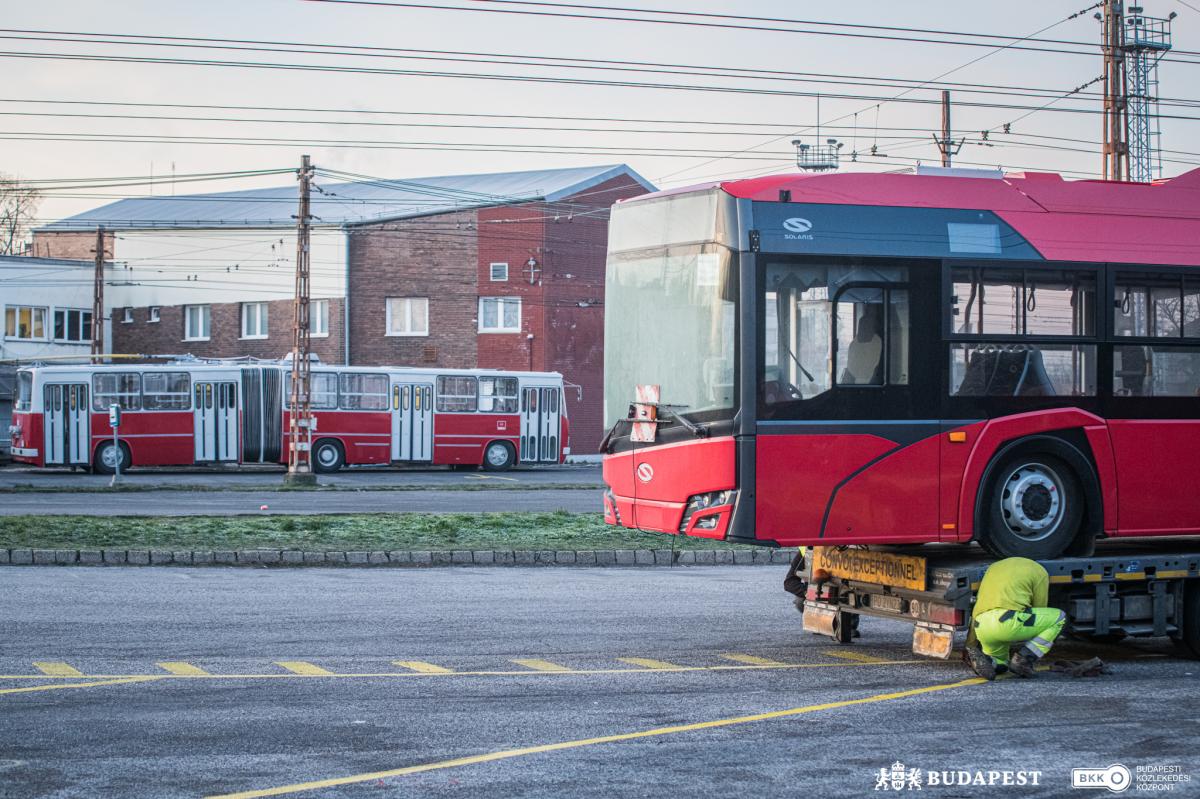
(47, 322)
(500, 303)
(85, 331)
(408, 316)
(155, 314)
(127, 316)
(262, 328)
(205, 312)
(493, 268)
(318, 321)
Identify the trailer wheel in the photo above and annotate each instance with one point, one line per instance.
(498, 456)
(327, 456)
(110, 455)
(1034, 507)
(1187, 642)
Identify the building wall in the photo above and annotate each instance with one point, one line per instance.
(52, 284)
(166, 336)
(433, 257)
(75, 245)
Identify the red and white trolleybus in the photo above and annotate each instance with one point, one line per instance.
(892, 359)
(208, 413)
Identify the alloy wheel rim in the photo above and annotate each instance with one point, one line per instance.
(1032, 501)
(497, 455)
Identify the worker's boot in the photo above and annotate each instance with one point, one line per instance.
(1021, 664)
(982, 665)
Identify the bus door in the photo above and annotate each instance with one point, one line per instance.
(540, 424)
(412, 422)
(215, 422)
(66, 421)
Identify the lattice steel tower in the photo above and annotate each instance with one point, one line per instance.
(1147, 40)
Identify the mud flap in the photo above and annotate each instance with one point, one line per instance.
(934, 642)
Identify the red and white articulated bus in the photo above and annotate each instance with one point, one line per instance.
(209, 413)
(945, 356)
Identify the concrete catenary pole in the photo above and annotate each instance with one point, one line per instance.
(300, 418)
(98, 300)
(1115, 162)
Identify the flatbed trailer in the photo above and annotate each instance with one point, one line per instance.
(1143, 589)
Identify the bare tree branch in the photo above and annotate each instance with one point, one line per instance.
(18, 209)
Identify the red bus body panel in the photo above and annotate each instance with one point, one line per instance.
(32, 437)
(154, 438)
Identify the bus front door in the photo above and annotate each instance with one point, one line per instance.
(540, 424)
(65, 422)
(215, 422)
(412, 422)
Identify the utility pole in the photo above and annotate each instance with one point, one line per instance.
(300, 418)
(1115, 152)
(946, 144)
(98, 299)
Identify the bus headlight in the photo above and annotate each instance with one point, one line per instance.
(701, 502)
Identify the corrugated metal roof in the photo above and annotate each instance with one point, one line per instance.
(337, 204)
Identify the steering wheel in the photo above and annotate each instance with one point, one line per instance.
(779, 391)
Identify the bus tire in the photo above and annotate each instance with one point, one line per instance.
(328, 456)
(1187, 640)
(1034, 507)
(109, 455)
(498, 456)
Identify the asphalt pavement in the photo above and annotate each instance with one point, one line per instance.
(526, 683)
(266, 502)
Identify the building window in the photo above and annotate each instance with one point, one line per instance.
(25, 322)
(499, 273)
(457, 394)
(166, 391)
(196, 322)
(254, 320)
(123, 389)
(71, 324)
(364, 392)
(126, 316)
(318, 318)
(408, 316)
(155, 313)
(499, 314)
(498, 394)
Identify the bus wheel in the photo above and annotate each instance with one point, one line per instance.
(109, 456)
(1034, 508)
(1187, 640)
(498, 456)
(327, 456)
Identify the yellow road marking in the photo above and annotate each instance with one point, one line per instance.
(513, 673)
(753, 660)
(605, 739)
(539, 665)
(422, 667)
(56, 668)
(93, 684)
(490, 477)
(304, 668)
(857, 657)
(650, 663)
(181, 669)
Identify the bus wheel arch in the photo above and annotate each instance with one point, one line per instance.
(328, 455)
(105, 459)
(499, 456)
(1040, 498)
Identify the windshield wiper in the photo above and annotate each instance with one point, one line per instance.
(692, 427)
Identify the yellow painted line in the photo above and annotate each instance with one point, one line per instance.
(605, 739)
(182, 669)
(422, 667)
(93, 684)
(490, 477)
(56, 668)
(539, 665)
(753, 660)
(650, 663)
(303, 668)
(857, 657)
(1130, 575)
(1173, 573)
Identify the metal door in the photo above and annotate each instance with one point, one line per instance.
(66, 418)
(412, 422)
(215, 422)
(540, 424)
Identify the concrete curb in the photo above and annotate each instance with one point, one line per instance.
(292, 558)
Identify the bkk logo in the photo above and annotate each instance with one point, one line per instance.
(645, 472)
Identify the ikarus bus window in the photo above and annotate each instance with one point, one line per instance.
(322, 387)
(166, 391)
(123, 389)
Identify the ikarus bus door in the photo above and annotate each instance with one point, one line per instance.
(540, 424)
(215, 421)
(412, 422)
(65, 422)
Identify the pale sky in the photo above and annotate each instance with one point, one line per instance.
(304, 22)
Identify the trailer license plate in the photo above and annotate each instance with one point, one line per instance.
(864, 565)
(892, 604)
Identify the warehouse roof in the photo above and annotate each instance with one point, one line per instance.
(355, 203)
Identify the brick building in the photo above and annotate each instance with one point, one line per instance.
(496, 271)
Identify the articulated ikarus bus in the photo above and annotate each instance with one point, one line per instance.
(193, 412)
(947, 356)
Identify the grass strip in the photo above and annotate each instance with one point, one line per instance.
(374, 532)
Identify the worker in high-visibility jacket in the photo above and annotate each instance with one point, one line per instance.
(1010, 608)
